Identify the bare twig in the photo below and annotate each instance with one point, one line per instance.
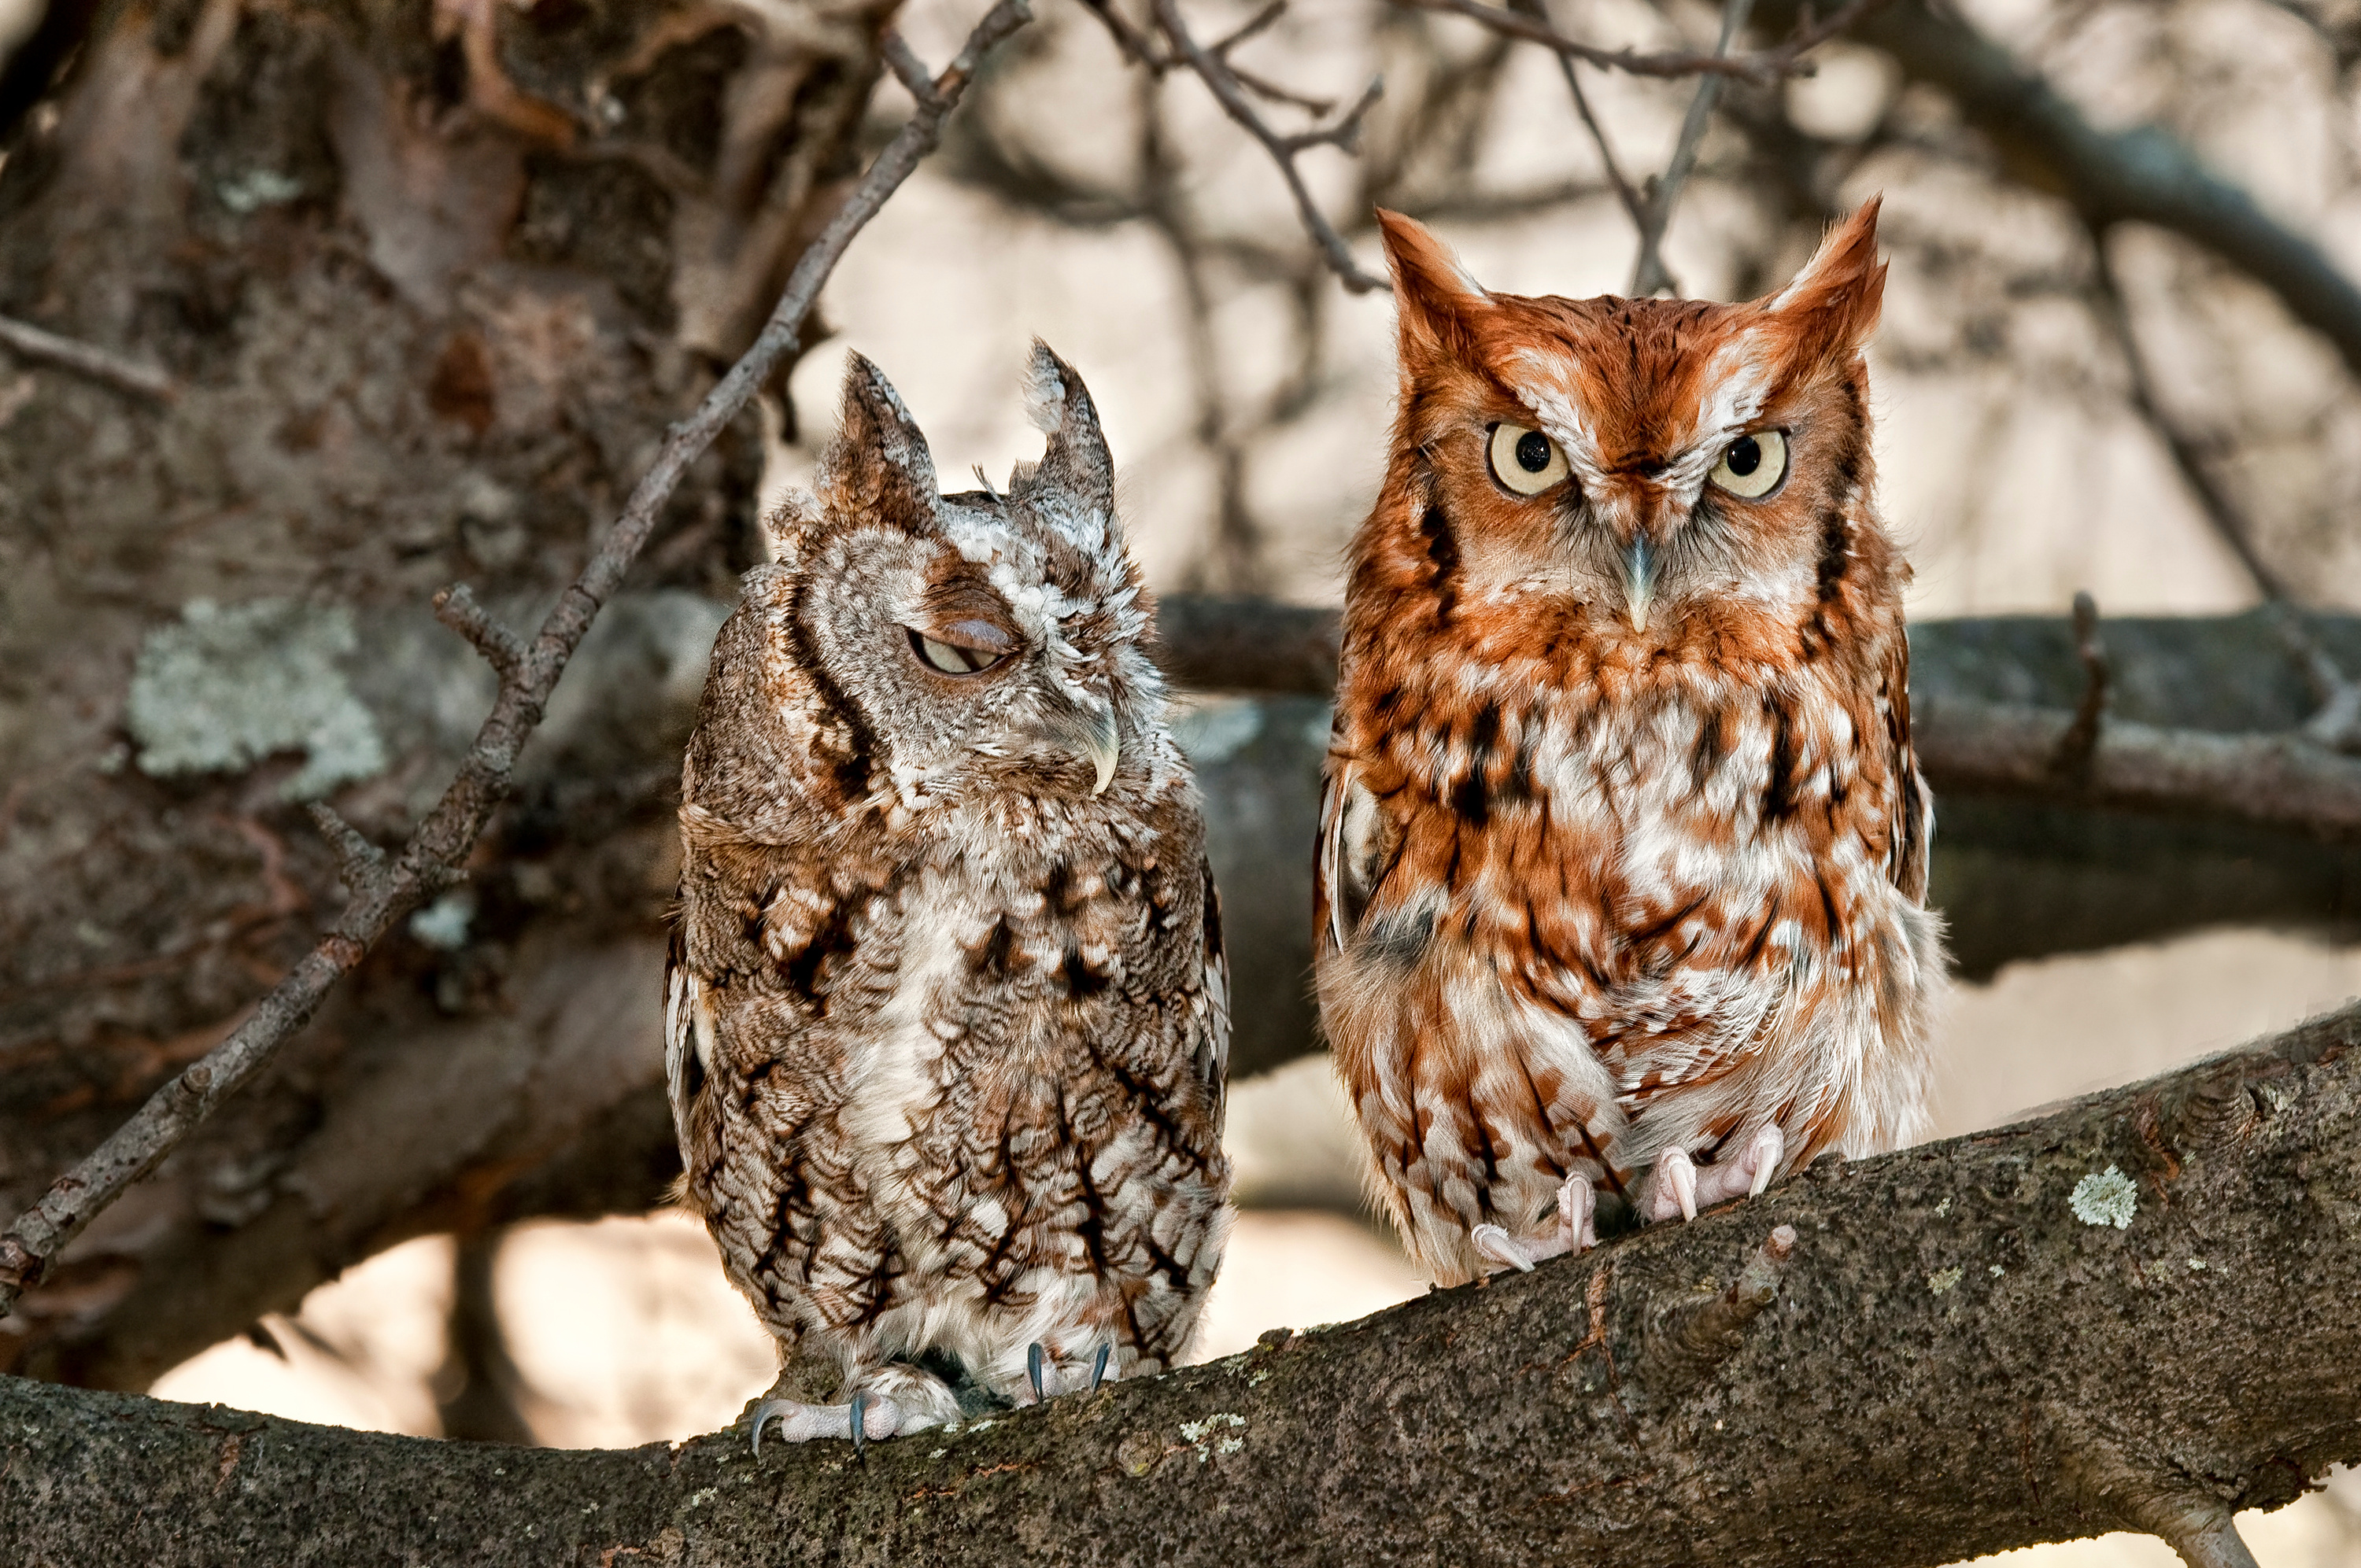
(502, 649)
(1691, 1336)
(1634, 205)
(1648, 273)
(1343, 134)
(2073, 760)
(2337, 723)
(358, 862)
(449, 832)
(1136, 46)
(88, 359)
(1763, 65)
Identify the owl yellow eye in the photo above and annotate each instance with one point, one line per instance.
(1753, 465)
(1524, 459)
(953, 659)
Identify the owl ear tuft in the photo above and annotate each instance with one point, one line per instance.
(1432, 294)
(1059, 407)
(878, 462)
(1835, 300)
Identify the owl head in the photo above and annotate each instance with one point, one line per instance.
(1653, 459)
(987, 640)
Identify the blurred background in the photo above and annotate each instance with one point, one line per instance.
(428, 318)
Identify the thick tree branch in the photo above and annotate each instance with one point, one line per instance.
(2037, 1333)
(1966, 745)
(528, 674)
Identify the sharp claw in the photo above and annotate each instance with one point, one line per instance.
(1098, 1366)
(1770, 1148)
(1577, 1203)
(762, 1414)
(1033, 1369)
(1494, 1243)
(860, 1420)
(1674, 1171)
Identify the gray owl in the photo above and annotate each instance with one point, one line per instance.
(946, 1012)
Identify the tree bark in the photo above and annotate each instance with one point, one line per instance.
(2115, 1316)
(429, 282)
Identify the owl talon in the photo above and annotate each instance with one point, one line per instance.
(1501, 1247)
(1098, 1366)
(1674, 1190)
(1762, 1157)
(1033, 1359)
(868, 1415)
(1578, 1210)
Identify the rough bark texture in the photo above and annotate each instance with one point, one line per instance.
(519, 1073)
(2037, 1333)
(431, 280)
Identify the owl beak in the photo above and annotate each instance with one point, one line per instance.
(1639, 582)
(1092, 735)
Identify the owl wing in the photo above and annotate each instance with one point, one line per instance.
(1359, 846)
(1913, 827)
(1212, 1054)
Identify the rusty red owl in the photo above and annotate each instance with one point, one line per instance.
(1623, 854)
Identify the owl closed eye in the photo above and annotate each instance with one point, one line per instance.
(947, 1019)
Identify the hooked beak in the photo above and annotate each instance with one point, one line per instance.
(1091, 734)
(1639, 582)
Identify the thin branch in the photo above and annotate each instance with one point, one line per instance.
(448, 834)
(102, 365)
(1137, 47)
(1648, 273)
(502, 649)
(1343, 134)
(1634, 205)
(1763, 65)
(359, 863)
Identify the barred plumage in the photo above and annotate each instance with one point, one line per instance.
(947, 1013)
(1624, 848)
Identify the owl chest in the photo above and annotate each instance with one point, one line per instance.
(958, 1091)
(1622, 839)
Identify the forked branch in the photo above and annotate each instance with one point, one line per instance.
(383, 890)
(1212, 66)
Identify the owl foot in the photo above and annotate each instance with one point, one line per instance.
(1680, 1187)
(867, 1416)
(1577, 1204)
(1041, 1370)
(1674, 1192)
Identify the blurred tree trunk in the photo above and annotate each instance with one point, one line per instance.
(430, 281)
